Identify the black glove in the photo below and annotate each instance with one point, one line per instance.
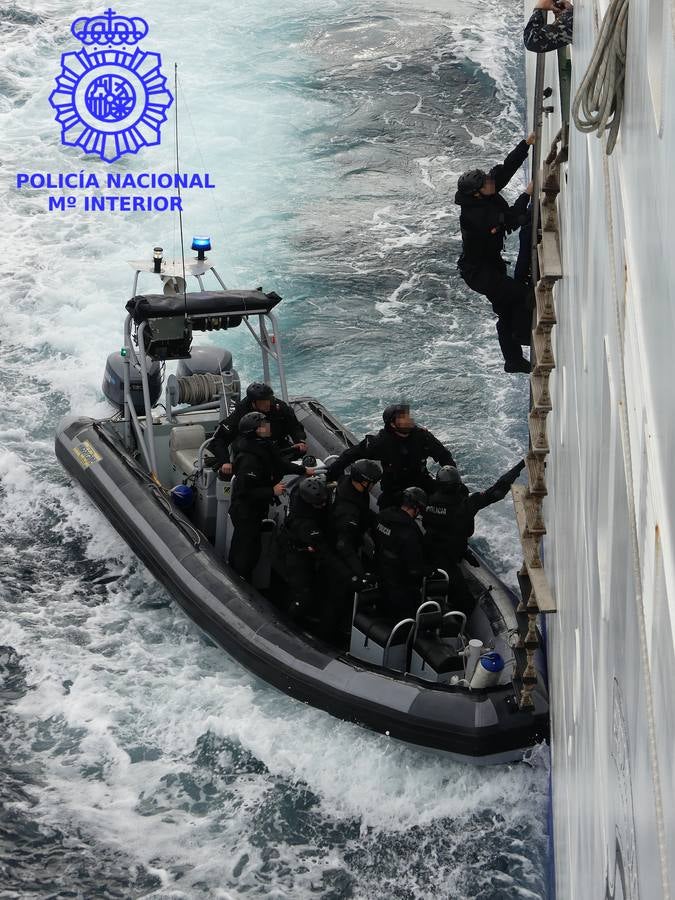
(471, 559)
(513, 473)
(331, 474)
(509, 477)
(359, 583)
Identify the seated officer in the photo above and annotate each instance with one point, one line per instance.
(403, 449)
(259, 468)
(449, 523)
(287, 434)
(400, 554)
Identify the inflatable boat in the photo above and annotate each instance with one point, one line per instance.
(433, 680)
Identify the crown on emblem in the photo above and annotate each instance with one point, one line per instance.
(109, 29)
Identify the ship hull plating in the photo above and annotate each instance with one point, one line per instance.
(609, 550)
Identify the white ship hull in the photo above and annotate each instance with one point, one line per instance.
(609, 550)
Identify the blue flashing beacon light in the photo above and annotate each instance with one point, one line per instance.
(201, 245)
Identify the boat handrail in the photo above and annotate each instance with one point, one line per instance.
(149, 425)
(200, 455)
(421, 609)
(397, 627)
(454, 613)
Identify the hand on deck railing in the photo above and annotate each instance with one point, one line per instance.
(555, 6)
(531, 138)
(540, 36)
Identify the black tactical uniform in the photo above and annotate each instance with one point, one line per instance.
(350, 518)
(258, 466)
(449, 523)
(485, 220)
(401, 561)
(540, 37)
(308, 553)
(403, 460)
(283, 423)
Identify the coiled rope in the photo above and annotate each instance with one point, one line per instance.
(600, 94)
(195, 389)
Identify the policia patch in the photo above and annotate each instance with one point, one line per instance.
(86, 455)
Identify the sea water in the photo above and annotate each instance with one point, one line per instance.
(137, 759)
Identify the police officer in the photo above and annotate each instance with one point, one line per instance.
(287, 433)
(403, 449)
(485, 219)
(350, 519)
(259, 468)
(539, 36)
(449, 523)
(306, 544)
(351, 516)
(400, 554)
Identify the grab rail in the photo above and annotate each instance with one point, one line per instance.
(387, 646)
(538, 116)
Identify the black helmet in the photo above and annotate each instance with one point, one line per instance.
(258, 390)
(313, 490)
(394, 409)
(472, 181)
(366, 470)
(415, 498)
(448, 476)
(251, 422)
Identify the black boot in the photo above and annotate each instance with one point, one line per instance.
(517, 365)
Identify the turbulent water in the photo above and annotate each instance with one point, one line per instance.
(136, 759)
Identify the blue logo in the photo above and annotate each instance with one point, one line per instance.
(111, 97)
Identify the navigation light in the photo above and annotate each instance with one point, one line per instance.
(201, 244)
(157, 258)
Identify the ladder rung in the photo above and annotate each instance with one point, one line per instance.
(548, 252)
(545, 304)
(550, 178)
(533, 512)
(538, 438)
(549, 216)
(530, 544)
(541, 396)
(533, 581)
(536, 470)
(544, 360)
(541, 589)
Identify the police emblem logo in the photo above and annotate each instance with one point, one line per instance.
(111, 97)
